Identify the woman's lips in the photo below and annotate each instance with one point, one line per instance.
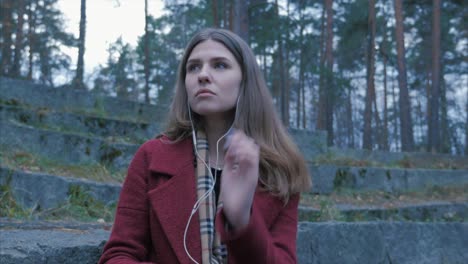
(204, 92)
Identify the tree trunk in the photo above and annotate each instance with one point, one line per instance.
(31, 30)
(384, 49)
(282, 87)
(329, 71)
(231, 14)
(282, 77)
(287, 85)
(434, 120)
(241, 19)
(214, 10)
(466, 125)
(427, 114)
(7, 30)
(406, 124)
(300, 88)
(445, 145)
(367, 135)
(78, 81)
(147, 54)
(15, 70)
(384, 134)
(227, 14)
(321, 113)
(349, 119)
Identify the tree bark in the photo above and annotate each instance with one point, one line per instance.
(385, 121)
(214, 10)
(349, 119)
(287, 79)
(7, 30)
(281, 73)
(31, 30)
(370, 93)
(302, 68)
(147, 54)
(241, 19)
(231, 14)
(406, 124)
(78, 81)
(16, 68)
(434, 120)
(445, 143)
(466, 124)
(300, 112)
(321, 113)
(329, 72)
(396, 114)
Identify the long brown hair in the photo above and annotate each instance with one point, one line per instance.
(282, 168)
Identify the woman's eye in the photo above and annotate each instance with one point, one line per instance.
(220, 65)
(193, 67)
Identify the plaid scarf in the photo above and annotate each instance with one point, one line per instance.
(212, 249)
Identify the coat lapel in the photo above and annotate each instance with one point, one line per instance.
(173, 200)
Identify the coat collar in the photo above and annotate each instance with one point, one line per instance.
(167, 155)
(173, 201)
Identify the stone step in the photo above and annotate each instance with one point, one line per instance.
(430, 211)
(38, 190)
(329, 178)
(66, 147)
(328, 242)
(20, 92)
(75, 148)
(378, 158)
(51, 245)
(137, 132)
(382, 242)
(43, 191)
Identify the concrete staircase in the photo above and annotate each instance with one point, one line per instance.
(364, 207)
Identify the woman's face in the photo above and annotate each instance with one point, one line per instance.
(213, 79)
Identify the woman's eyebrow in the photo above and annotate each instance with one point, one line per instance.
(193, 60)
(219, 58)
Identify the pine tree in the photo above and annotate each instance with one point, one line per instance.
(78, 80)
(406, 124)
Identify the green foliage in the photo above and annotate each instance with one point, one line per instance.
(163, 60)
(352, 29)
(119, 76)
(8, 205)
(80, 206)
(47, 39)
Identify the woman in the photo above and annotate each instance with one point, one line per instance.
(222, 184)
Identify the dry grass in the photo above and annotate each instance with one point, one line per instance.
(25, 161)
(386, 199)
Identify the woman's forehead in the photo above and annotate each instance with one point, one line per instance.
(210, 49)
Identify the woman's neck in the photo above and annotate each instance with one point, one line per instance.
(215, 129)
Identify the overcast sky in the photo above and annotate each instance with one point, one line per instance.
(107, 20)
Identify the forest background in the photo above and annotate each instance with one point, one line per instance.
(376, 74)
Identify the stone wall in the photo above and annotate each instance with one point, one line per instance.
(317, 243)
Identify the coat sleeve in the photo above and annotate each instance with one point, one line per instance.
(258, 243)
(130, 239)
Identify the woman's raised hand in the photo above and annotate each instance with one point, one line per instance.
(240, 178)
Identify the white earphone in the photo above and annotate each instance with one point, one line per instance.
(213, 178)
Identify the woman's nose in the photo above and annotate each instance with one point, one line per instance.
(203, 76)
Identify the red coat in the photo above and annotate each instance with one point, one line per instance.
(155, 203)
